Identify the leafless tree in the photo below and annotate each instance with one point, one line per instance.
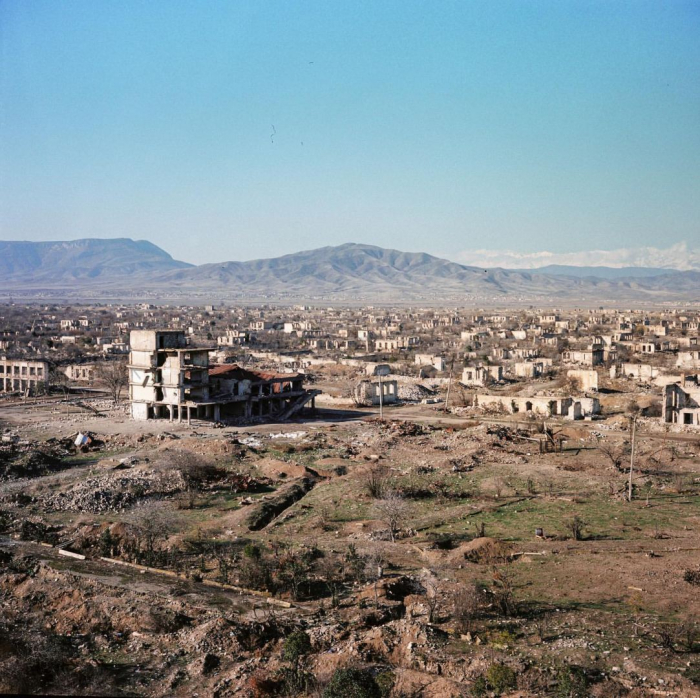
(469, 602)
(152, 524)
(114, 376)
(433, 597)
(58, 379)
(374, 569)
(393, 510)
(196, 471)
(503, 594)
(332, 573)
(576, 526)
(613, 451)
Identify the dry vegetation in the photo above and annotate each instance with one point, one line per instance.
(365, 558)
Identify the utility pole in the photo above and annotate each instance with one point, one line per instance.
(381, 398)
(449, 385)
(634, 433)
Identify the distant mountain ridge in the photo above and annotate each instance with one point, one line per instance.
(351, 271)
(90, 258)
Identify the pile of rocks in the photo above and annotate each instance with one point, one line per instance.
(116, 492)
(414, 392)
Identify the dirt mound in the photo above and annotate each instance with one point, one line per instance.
(480, 551)
(263, 513)
(331, 467)
(279, 469)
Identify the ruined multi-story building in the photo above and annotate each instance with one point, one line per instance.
(168, 378)
(19, 375)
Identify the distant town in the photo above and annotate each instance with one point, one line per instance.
(275, 500)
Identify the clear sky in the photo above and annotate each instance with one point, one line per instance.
(244, 129)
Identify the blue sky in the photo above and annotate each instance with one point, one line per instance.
(424, 126)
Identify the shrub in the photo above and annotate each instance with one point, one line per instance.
(501, 678)
(572, 682)
(376, 481)
(576, 526)
(352, 683)
(480, 687)
(385, 681)
(296, 646)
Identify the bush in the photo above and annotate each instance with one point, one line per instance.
(376, 481)
(386, 681)
(252, 551)
(296, 646)
(501, 678)
(572, 682)
(480, 687)
(692, 577)
(576, 526)
(352, 683)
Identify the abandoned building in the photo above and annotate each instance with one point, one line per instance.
(640, 372)
(170, 379)
(567, 407)
(368, 392)
(594, 356)
(481, 375)
(681, 403)
(585, 380)
(80, 372)
(532, 369)
(18, 375)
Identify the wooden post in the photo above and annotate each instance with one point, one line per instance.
(381, 398)
(634, 433)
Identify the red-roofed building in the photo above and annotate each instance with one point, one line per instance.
(170, 379)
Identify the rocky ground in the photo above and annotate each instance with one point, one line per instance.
(428, 554)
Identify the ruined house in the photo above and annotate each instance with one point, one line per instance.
(367, 392)
(19, 375)
(688, 359)
(567, 407)
(681, 403)
(586, 379)
(170, 379)
(595, 356)
(481, 375)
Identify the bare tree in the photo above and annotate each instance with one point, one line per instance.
(433, 597)
(469, 603)
(393, 510)
(374, 569)
(196, 471)
(58, 379)
(576, 526)
(613, 451)
(331, 571)
(152, 524)
(114, 376)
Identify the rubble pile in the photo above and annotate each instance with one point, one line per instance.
(414, 392)
(116, 492)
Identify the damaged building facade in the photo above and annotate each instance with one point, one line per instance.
(567, 407)
(168, 379)
(19, 375)
(681, 403)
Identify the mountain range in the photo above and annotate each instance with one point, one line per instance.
(126, 268)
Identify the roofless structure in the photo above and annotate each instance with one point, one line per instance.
(169, 379)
